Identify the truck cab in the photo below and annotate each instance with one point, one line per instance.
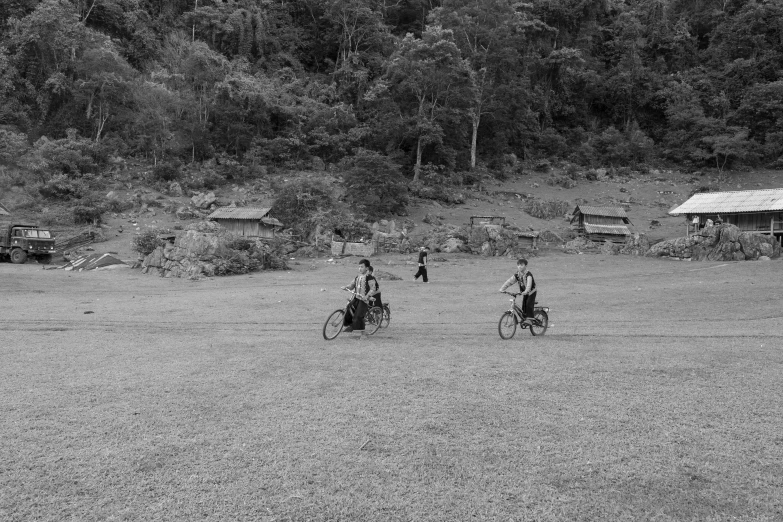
(19, 241)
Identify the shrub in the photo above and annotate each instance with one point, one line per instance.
(547, 209)
(298, 202)
(168, 171)
(13, 145)
(117, 206)
(561, 181)
(84, 214)
(61, 186)
(147, 241)
(375, 185)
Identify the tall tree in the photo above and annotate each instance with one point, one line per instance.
(429, 79)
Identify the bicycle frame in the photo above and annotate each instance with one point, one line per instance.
(519, 314)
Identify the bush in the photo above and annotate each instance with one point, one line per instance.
(117, 206)
(168, 171)
(547, 209)
(61, 186)
(375, 185)
(561, 181)
(298, 203)
(13, 145)
(83, 214)
(147, 241)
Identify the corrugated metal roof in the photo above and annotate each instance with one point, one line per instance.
(601, 211)
(730, 202)
(239, 213)
(607, 229)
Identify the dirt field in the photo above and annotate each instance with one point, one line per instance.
(654, 395)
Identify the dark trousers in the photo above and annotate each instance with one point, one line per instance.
(422, 272)
(355, 315)
(528, 303)
(377, 301)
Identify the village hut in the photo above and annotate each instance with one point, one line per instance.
(246, 221)
(601, 223)
(758, 211)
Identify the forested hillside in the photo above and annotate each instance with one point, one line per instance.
(437, 89)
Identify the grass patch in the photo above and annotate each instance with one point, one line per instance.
(155, 407)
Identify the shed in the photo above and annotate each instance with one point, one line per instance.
(246, 221)
(759, 211)
(601, 223)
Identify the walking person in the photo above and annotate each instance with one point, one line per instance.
(527, 287)
(423, 251)
(354, 319)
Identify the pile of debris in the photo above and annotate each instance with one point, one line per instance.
(723, 242)
(205, 249)
(94, 262)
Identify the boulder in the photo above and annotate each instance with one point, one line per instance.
(185, 213)
(201, 200)
(453, 244)
(175, 189)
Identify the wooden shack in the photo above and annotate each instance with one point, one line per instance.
(601, 223)
(759, 211)
(246, 221)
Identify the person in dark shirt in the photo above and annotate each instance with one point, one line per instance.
(422, 265)
(375, 288)
(354, 322)
(527, 286)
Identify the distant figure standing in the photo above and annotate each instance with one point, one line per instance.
(422, 265)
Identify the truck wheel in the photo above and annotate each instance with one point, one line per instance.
(18, 256)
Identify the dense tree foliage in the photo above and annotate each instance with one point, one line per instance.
(442, 86)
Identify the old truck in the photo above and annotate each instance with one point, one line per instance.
(18, 242)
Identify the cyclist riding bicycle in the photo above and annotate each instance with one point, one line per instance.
(354, 319)
(527, 288)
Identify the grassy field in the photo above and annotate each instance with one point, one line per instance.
(655, 395)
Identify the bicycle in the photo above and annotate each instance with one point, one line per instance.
(334, 323)
(507, 326)
(386, 314)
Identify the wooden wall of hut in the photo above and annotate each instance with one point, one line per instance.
(614, 238)
(244, 227)
(753, 222)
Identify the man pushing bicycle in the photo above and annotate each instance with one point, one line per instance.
(527, 288)
(354, 319)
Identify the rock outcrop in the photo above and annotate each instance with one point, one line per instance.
(718, 243)
(205, 250)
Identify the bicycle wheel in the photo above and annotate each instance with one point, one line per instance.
(372, 320)
(507, 325)
(386, 316)
(540, 323)
(334, 324)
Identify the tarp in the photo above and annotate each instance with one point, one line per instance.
(94, 262)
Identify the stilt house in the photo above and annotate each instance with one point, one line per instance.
(601, 223)
(246, 221)
(759, 211)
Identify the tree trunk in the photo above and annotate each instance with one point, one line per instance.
(474, 140)
(417, 167)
